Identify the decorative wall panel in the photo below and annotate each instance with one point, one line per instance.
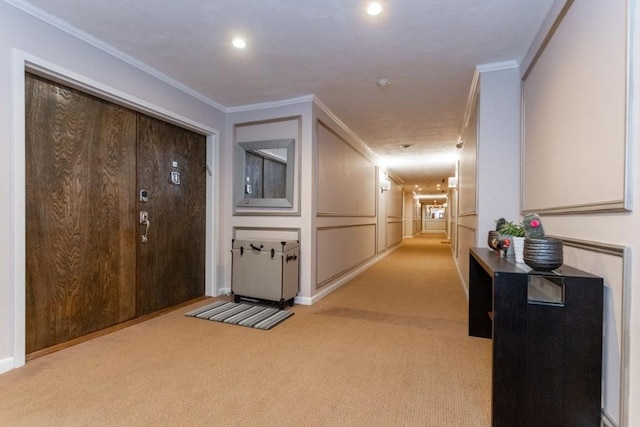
(466, 240)
(467, 168)
(394, 233)
(575, 107)
(346, 179)
(611, 263)
(340, 249)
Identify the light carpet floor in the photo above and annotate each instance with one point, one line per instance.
(389, 348)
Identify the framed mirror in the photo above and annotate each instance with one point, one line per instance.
(264, 173)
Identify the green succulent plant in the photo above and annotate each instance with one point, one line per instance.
(511, 229)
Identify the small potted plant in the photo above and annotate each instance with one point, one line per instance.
(511, 229)
(516, 233)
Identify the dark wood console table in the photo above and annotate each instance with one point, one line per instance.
(547, 340)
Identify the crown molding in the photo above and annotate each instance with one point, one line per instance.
(545, 31)
(99, 44)
(497, 66)
(372, 155)
(274, 104)
(470, 107)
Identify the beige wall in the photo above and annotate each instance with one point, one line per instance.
(265, 123)
(354, 221)
(489, 165)
(394, 201)
(587, 213)
(594, 170)
(465, 218)
(346, 177)
(342, 220)
(412, 215)
(563, 121)
(341, 248)
(346, 197)
(435, 225)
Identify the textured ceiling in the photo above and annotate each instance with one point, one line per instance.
(330, 48)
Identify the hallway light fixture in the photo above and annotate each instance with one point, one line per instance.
(382, 83)
(374, 8)
(239, 43)
(385, 183)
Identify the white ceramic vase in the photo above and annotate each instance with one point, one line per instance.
(518, 248)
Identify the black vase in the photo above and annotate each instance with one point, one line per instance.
(543, 254)
(493, 239)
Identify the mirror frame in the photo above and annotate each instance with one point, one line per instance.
(241, 150)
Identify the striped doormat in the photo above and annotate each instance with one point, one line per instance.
(252, 316)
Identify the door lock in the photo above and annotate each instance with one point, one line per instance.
(175, 178)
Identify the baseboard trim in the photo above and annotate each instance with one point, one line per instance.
(605, 420)
(327, 289)
(7, 364)
(463, 282)
(110, 329)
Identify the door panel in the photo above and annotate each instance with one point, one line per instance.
(171, 264)
(275, 179)
(80, 213)
(267, 177)
(253, 172)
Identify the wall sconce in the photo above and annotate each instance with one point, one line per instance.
(385, 183)
(453, 182)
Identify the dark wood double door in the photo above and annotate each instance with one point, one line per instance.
(92, 167)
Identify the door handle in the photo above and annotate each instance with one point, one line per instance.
(144, 220)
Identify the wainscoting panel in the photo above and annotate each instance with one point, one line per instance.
(612, 263)
(467, 166)
(394, 233)
(575, 108)
(466, 240)
(342, 248)
(346, 179)
(394, 201)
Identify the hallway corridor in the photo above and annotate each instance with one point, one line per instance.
(389, 348)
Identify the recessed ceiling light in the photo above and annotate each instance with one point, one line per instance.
(374, 8)
(383, 83)
(239, 43)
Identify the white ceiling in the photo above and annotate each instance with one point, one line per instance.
(332, 49)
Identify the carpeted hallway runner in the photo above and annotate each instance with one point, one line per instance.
(252, 316)
(388, 348)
